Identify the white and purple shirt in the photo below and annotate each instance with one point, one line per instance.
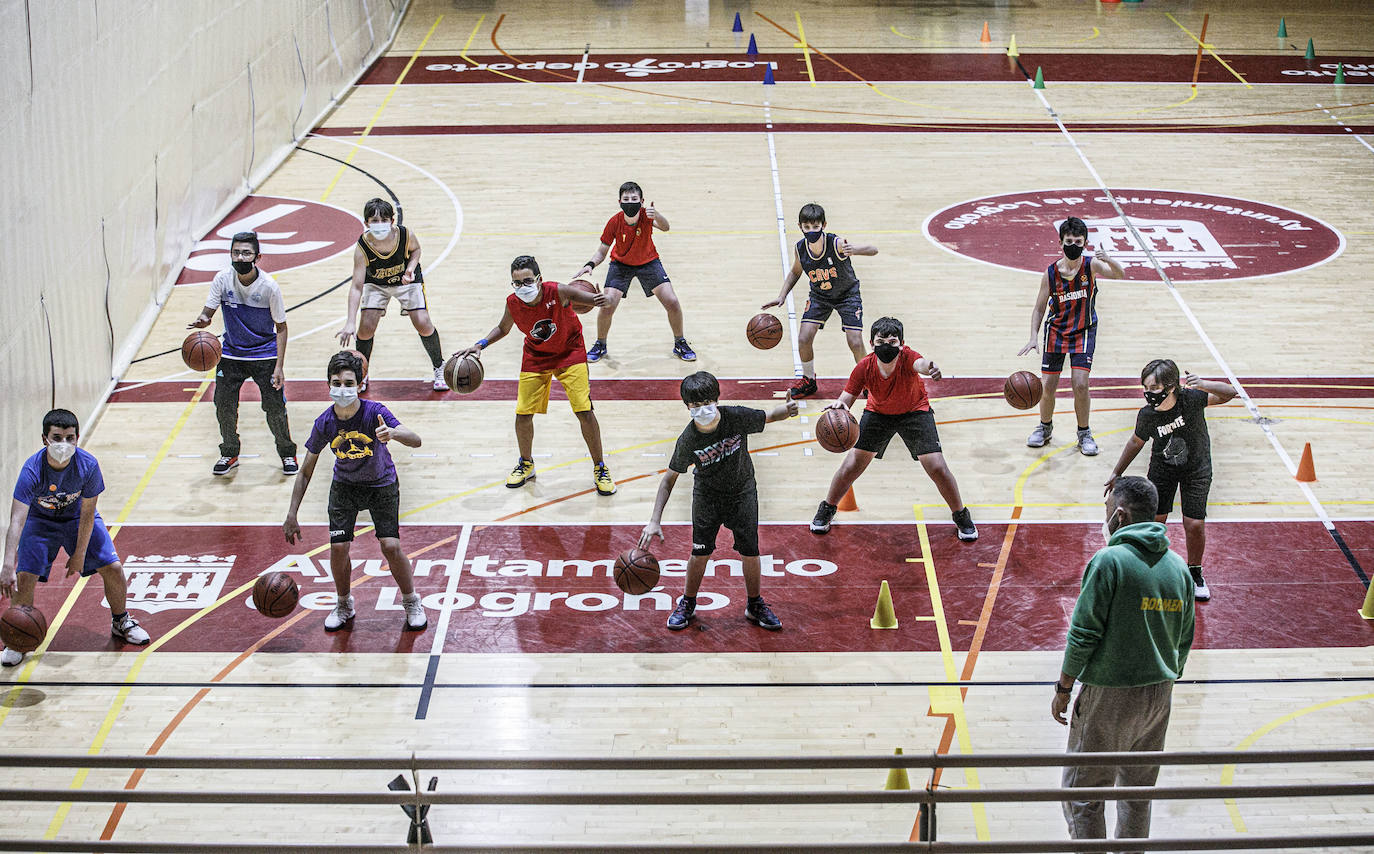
(251, 314)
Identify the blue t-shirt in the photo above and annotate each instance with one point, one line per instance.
(56, 494)
(358, 457)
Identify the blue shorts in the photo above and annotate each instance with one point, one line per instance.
(41, 539)
(1053, 363)
(849, 305)
(650, 276)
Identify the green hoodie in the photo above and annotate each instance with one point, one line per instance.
(1133, 624)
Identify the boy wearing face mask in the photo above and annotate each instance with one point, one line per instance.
(1181, 456)
(254, 347)
(1068, 290)
(386, 264)
(629, 237)
(553, 349)
(824, 258)
(55, 508)
(357, 431)
(724, 491)
(897, 405)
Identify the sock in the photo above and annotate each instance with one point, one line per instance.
(410, 597)
(601, 341)
(754, 600)
(1047, 424)
(364, 346)
(436, 353)
(809, 369)
(118, 618)
(1081, 428)
(691, 600)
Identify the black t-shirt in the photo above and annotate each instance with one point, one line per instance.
(1185, 424)
(721, 456)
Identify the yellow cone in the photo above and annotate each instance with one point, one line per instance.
(896, 777)
(883, 615)
(1011, 48)
(1368, 610)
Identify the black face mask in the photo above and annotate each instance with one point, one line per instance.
(1155, 398)
(886, 352)
(813, 236)
(243, 268)
(1072, 251)
(630, 208)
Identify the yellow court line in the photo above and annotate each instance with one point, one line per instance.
(472, 35)
(806, 51)
(1208, 48)
(373, 121)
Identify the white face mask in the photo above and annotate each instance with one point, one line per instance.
(703, 415)
(527, 293)
(379, 230)
(61, 451)
(1107, 528)
(344, 395)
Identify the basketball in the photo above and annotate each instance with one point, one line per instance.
(363, 359)
(636, 571)
(463, 374)
(837, 431)
(588, 286)
(764, 331)
(23, 627)
(200, 351)
(1022, 390)
(275, 595)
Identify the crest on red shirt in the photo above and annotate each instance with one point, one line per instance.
(543, 330)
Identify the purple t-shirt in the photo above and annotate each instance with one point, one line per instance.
(56, 494)
(359, 457)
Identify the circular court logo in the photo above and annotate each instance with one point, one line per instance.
(1192, 236)
(291, 233)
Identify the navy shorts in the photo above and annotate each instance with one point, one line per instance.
(41, 539)
(1193, 488)
(650, 276)
(739, 513)
(347, 500)
(850, 306)
(917, 429)
(1053, 363)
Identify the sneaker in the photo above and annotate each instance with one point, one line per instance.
(342, 615)
(439, 384)
(415, 613)
(289, 465)
(601, 476)
(684, 612)
(1200, 591)
(1087, 445)
(758, 613)
(684, 351)
(964, 520)
(225, 465)
(598, 351)
(1040, 436)
(127, 629)
(11, 657)
(824, 513)
(803, 387)
(523, 471)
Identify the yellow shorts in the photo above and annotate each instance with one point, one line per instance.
(533, 395)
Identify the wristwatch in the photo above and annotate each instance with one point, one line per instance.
(1060, 689)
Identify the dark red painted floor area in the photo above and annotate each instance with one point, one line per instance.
(538, 589)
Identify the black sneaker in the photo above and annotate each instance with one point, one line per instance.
(1200, 590)
(684, 612)
(824, 513)
(758, 613)
(684, 351)
(598, 351)
(225, 465)
(803, 387)
(289, 465)
(964, 520)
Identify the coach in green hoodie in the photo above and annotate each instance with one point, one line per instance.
(1128, 640)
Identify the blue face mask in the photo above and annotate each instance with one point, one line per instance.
(813, 236)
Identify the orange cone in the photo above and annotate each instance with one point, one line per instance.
(1306, 472)
(986, 38)
(848, 502)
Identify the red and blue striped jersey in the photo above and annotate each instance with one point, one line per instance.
(1072, 313)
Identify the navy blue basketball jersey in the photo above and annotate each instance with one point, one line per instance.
(832, 274)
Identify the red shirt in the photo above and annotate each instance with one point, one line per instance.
(553, 332)
(900, 392)
(630, 244)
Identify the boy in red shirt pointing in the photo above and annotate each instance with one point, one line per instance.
(897, 404)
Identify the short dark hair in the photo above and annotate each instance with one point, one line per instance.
(1137, 496)
(811, 212)
(247, 237)
(378, 207)
(886, 326)
(630, 187)
(62, 419)
(1165, 370)
(525, 262)
(699, 387)
(1073, 226)
(345, 360)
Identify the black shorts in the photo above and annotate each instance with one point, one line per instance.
(650, 276)
(850, 306)
(347, 499)
(1192, 486)
(739, 513)
(916, 428)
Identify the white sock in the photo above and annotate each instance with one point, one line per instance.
(809, 369)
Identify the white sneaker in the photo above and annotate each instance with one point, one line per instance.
(439, 384)
(1039, 436)
(1087, 445)
(11, 657)
(1201, 592)
(340, 616)
(129, 631)
(415, 613)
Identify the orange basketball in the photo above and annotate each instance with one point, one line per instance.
(363, 359)
(836, 430)
(764, 331)
(275, 595)
(464, 374)
(200, 351)
(587, 286)
(1022, 390)
(23, 627)
(636, 571)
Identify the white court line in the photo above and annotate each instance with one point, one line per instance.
(782, 235)
(582, 69)
(1347, 129)
(1095, 522)
(460, 554)
(1192, 318)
